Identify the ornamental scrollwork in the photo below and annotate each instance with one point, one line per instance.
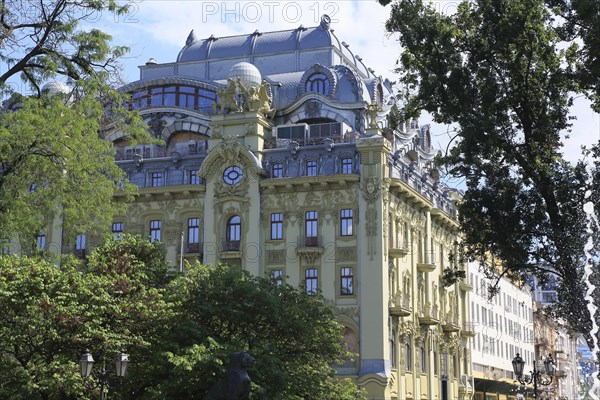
(370, 188)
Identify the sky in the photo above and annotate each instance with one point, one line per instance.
(158, 29)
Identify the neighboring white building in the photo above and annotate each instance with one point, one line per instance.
(503, 327)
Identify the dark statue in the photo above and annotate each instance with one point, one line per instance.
(235, 385)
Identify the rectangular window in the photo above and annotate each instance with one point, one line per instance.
(278, 170)
(311, 168)
(346, 281)
(157, 179)
(311, 281)
(277, 276)
(117, 229)
(276, 226)
(193, 178)
(311, 227)
(80, 242)
(346, 165)
(408, 354)
(346, 222)
(193, 236)
(423, 359)
(40, 241)
(155, 231)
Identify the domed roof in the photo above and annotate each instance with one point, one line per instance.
(256, 43)
(248, 74)
(54, 87)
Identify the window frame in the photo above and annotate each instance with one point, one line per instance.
(346, 222)
(193, 226)
(311, 275)
(118, 233)
(312, 168)
(155, 230)
(193, 178)
(81, 242)
(317, 82)
(233, 233)
(311, 224)
(346, 281)
(276, 226)
(277, 276)
(156, 179)
(346, 165)
(277, 170)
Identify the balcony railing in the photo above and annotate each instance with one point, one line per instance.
(309, 241)
(231, 245)
(285, 143)
(193, 248)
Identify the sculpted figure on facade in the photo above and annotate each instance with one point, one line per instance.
(227, 97)
(372, 111)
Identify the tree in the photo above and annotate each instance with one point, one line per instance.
(54, 164)
(40, 39)
(49, 315)
(578, 22)
(499, 70)
(292, 335)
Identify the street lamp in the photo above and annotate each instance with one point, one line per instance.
(86, 363)
(536, 375)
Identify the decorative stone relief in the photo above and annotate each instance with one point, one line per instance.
(239, 190)
(349, 311)
(343, 254)
(276, 256)
(310, 256)
(372, 231)
(370, 189)
(312, 109)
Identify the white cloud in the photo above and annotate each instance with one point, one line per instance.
(159, 28)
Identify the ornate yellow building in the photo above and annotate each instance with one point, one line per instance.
(277, 158)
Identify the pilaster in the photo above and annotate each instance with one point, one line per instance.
(375, 362)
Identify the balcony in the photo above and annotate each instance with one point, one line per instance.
(310, 248)
(193, 248)
(450, 323)
(468, 329)
(464, 284)
(400, 305)
(428, 315)
(398, 250)
(231, 249)
(426, 261)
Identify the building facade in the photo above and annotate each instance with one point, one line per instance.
(277, 157)
(503, 326)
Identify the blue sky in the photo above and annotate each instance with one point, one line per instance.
(159, 28)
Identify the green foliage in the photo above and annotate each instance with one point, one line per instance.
(49, 314)
(450, 276)
(54, 164)
(41, 39)
(179, 331)
(499, 70)
(292, 335)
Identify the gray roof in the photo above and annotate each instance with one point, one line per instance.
(258, 43)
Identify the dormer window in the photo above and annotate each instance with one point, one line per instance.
(317, 83)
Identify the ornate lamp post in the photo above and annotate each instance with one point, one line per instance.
(536, 375)
(86, 363)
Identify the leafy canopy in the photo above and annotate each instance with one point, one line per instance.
(41, 39)
(501, 72)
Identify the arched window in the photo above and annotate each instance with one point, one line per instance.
(317, 83)
(234, 231)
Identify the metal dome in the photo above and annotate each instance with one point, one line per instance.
(54, 87)
(248, 74)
